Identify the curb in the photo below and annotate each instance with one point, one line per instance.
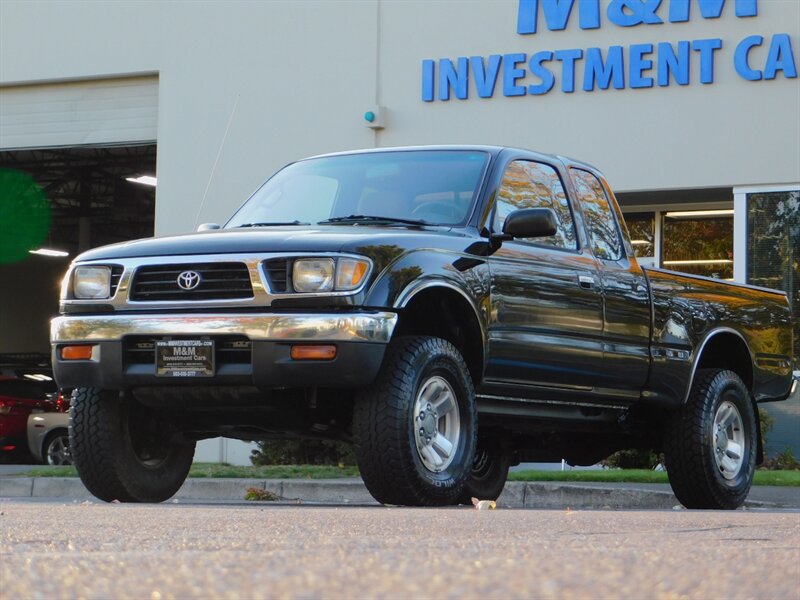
(517, 494)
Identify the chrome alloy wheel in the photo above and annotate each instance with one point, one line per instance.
(437, 424)
(58, 451)
(729, 440)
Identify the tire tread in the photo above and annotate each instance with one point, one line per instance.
(690, 467)
(382, 437)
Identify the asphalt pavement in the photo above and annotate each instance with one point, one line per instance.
(187, 550)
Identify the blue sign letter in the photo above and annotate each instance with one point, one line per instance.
(638, 12)
(706, 49)
(669, 62)
(511, 73)
(449, 77)
(428, 70)
(556, 14)
(541, 72)
(710, 9)
(740, 57)
(568, 58)
(485, 80)
(637, 63)
(603, 73)
(780, 57)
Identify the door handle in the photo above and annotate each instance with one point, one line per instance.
(586, 281)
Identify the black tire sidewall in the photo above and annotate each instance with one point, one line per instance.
(105, 459)
(488, 483)
(441, 363)
(150, 483)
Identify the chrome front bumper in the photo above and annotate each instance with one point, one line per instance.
(358, 327)
(361, 340)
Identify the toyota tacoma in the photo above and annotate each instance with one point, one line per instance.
(450, 311)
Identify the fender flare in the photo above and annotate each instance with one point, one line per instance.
(699, 353)
(420, 285)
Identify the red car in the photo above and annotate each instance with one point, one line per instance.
(20, 395)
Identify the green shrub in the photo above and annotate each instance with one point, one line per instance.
(633, 459)
(766, 422)
(783, 461)
(303, 452)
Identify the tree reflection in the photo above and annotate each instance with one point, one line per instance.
(529, 184)
(773, 257)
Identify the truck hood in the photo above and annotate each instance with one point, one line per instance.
(331, 238)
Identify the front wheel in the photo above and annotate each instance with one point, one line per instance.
(415, 427)
(122, 449)
(710, 443)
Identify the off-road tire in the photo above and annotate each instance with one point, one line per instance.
(689, 443)
(100, 435)
(384, 425)
(489, 472)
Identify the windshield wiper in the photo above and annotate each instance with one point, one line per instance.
(373, 219)
(276, 224)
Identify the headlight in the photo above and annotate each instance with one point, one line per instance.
(91, 282)
(350, 273)
(313, 275)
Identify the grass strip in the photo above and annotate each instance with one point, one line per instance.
(779, 478)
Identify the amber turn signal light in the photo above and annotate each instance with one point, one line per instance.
(76, 352)
(313, 352)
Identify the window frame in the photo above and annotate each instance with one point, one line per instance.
(567, 194)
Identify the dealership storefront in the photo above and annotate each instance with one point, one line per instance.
(690, 107)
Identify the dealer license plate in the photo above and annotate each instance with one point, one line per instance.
(185, 358)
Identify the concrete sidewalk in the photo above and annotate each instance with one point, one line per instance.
(517, 494)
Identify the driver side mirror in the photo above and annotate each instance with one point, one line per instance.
(530, 223)
(208, 227)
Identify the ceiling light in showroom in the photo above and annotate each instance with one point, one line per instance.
(143, 179)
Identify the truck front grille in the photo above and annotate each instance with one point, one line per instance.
(116, 275)
(278, 272)
(217, 281)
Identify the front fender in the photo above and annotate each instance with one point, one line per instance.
(422, 269)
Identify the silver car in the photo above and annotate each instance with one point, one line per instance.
(48, 437)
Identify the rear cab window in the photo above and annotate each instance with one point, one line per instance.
(604, 234)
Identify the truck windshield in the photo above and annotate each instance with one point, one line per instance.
(418, 187)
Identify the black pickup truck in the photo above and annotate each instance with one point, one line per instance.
(451, 311)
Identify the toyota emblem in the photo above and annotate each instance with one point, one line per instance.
(188, 280)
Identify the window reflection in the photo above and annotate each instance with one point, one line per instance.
(642, 228)
(773, 247)
(698, 242)
(606, 242)
(529, 184)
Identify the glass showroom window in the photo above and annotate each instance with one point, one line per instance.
(642, 229)
(699, 242)
(773, 247)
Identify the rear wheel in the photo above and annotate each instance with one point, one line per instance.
(489, 472)
(415, 426)
(710, 444)
(122, 449)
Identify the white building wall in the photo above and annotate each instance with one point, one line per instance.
(301, 74)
